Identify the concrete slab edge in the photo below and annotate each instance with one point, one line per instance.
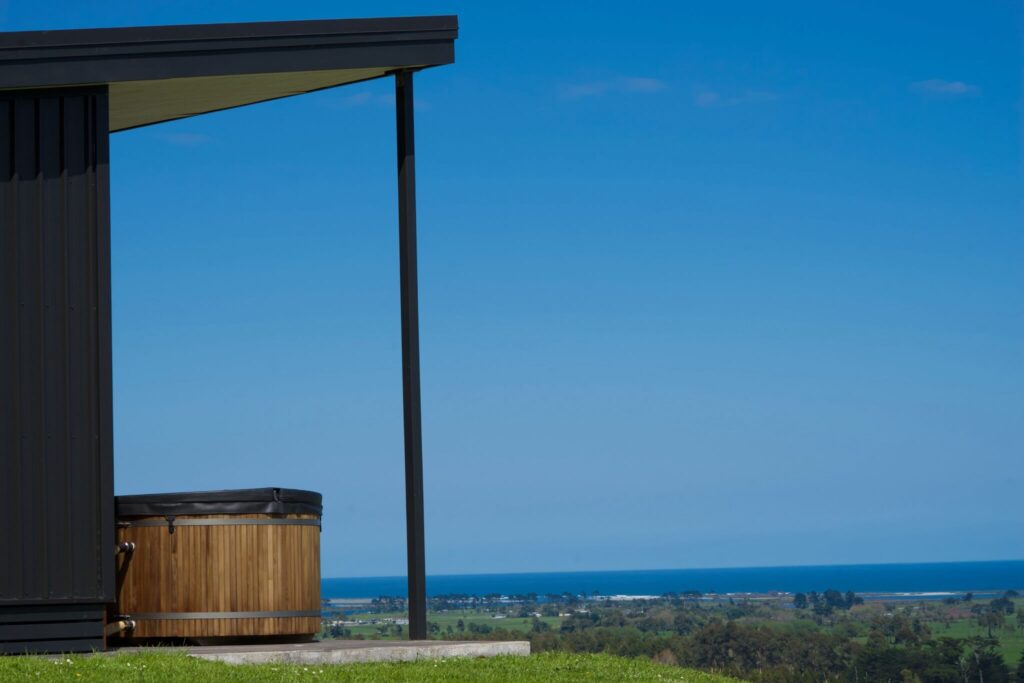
(391, 653)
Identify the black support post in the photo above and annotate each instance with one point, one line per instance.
(411, 358)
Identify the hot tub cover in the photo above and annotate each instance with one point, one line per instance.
(269, 501)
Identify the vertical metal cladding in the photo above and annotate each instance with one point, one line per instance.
(56, 453)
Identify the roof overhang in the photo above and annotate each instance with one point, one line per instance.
(162, 73)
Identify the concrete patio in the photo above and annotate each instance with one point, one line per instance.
(345, 651)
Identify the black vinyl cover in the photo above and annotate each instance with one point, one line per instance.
(232, 502)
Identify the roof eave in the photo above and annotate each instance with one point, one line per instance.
(43, 59)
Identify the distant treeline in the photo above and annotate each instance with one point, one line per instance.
(828, 601)
(831, 643)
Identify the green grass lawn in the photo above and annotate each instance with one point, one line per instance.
(179, 667)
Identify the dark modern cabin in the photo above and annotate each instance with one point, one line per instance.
(62, 93)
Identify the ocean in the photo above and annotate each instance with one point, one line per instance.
(860, 578)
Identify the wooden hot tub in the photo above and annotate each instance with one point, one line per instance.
(220, 564)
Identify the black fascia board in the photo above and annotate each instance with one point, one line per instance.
(39, 59)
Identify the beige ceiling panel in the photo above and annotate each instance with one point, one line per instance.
(138, 103)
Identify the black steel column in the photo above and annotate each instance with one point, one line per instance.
(411, 358)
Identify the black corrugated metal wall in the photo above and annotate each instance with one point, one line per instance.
(56, 452)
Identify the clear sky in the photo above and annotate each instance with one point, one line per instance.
(702, 284)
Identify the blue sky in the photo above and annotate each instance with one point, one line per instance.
(702, 284)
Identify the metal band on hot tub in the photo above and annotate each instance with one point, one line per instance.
(225, 615)
(220, 522)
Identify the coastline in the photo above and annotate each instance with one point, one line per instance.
(724, 597)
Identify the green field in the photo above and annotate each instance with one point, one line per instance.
(451, 618)
(1011, 639)
(164, 667)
